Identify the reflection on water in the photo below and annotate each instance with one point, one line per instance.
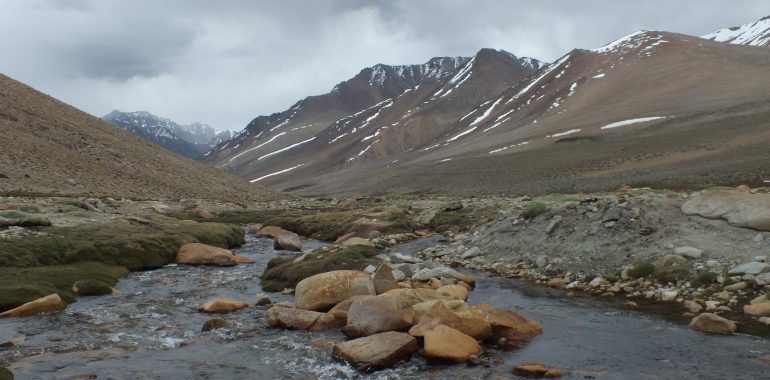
(150, 330)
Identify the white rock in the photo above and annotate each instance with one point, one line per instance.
(596, 282)
(669, 296)
(370, 269)
(471, 252)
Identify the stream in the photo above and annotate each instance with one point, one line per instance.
(150, 330)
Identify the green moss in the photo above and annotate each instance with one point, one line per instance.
(21, 285)
(704, 278)
(642, 269)
(92, 287)
(534, 209)
(283, 272)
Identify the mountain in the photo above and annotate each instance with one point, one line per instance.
(51, 148)
(188, 140)
(756, 33)
(649, 109)
(414, 103)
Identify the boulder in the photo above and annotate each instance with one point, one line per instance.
(446, 343)
(213, 324)
(340, 310)
(754, 267)
(253, 229)
(536, 370)
(612, 214)
(203, 214)
(288, 241)
(455, 314)
(416, 296)
(357, 241)
(270, 231)
(384, 279)
(508, 324)
(364, 227)
(48, 304)
(202, 254)
(761, 309)
(689, 252)
(712, 323)
(377, 351)
(221, 305)
(297, 319)
(345, 237)
(670, 261)
(5, 374)
(427, 274)
(370, 315)
(324, 290)
(762, 279)
(457, 292)
(692, 306)
(737, 206)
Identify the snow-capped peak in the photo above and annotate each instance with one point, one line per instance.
(756, 33)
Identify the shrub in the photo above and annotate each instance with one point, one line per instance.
(705, 278)
(642, 269)
(534, 209)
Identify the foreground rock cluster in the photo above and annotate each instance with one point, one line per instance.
(388, 324)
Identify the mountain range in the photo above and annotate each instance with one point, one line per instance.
(188, 140)
(651, 108)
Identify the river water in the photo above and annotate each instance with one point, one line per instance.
(150, 330)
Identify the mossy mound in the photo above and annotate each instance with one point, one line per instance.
(534, 209)
(459, 220)
(21, 285)
(92, 288)
(283, 272)
(120, 243)
(22, 219)
(5, 374)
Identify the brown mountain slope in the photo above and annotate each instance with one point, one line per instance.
(48, 147)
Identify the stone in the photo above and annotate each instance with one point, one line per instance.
(357, 241)
(764, 320)
(457, 292)
(753, 267)
(426, 274)
(324, 290)
(758, 309)
(370, 269)
(48, 304)
(738, 206)
(471, 253)
(203, 214)
(541, 262)
(689, 252)
(263, 299)
(202, 254)
(446, 343)
(383, 279)
(416, 296)
(596, 282)
(692, 306)
(736, 286)
(298, 319)
(760, 299)
(242, 259)
(669, 296)
(555, 283)
(214, 324)
(398, 275)
(340, 310)
(670, 261)
(253, 229)
(712, 323)
(553, 224)
(455, 314)
(370, 315)
(536, 370)
(287, 241)
(612, 214)
(508, 324)
(377, 351)
(221, 305)
(365, 227)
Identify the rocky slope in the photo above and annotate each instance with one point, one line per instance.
(49, 147)
(188, 140)
(756, 33)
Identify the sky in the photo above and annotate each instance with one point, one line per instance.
(225, 62)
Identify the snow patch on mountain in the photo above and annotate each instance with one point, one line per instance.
(756, 33)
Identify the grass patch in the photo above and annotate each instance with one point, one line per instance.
(21, 285)
(460, 220)
(642, 269)
(22, 219)
(283, 273)
(672, 274)
(705, 278)
(30, 209)
(534, 209)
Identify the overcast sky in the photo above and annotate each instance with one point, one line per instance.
(225, 62)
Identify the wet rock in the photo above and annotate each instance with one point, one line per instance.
(14, 342)
(712, 323)
(738, 206)
(536, 370)
(457, 292)
(369, 315)
(48, 304)
(761, 309)
(213, 324)
(689, 252)
(416, 296)
(471, 253)
(427, 274)
(384, 279)
(455, 314)
(357, 241)
(377, 351)
(288, 241)
(692, 306)
(669, 261)
(446, 343)
(324, 290)
(297, 319)
(508, 324)
(221, 305)
(753, 267)
(202, 254)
